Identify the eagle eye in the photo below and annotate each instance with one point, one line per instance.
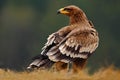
(67, 9)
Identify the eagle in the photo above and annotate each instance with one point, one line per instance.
(72, 44)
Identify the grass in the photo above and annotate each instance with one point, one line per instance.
(102, 74)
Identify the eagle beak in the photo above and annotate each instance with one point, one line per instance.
(58, 12)
(62, 11)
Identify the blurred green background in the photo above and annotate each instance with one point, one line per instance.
(25, 25)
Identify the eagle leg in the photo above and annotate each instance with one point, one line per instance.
(69, 66)
(78, 65)
(60, 66)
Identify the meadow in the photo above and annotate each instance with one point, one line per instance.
(109, 73)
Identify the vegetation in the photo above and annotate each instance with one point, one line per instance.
(102, 74)
(25, 25)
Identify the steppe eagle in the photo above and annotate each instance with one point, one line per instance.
(73, 43)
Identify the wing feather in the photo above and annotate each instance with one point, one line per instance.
(80, 45)
(77, 44)
(52, 41)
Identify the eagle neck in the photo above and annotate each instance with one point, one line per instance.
(78, 18)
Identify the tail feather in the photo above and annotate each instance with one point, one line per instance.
(41, 61)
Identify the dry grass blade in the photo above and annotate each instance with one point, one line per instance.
(102, 74)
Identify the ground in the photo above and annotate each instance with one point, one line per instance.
(102, 74)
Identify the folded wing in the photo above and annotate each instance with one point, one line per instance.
(77, 44)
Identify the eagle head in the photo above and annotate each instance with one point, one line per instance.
(70, 10)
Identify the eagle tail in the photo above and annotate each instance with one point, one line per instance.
(41, 61)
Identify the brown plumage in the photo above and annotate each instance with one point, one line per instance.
(71, 44)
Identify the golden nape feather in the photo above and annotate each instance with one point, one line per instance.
(71, 44)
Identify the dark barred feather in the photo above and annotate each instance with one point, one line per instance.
(41, 61)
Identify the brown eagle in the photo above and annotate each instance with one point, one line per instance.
(71, 44)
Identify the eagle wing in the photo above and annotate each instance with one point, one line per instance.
(77, 44)
(55, 38)
(52, 40)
